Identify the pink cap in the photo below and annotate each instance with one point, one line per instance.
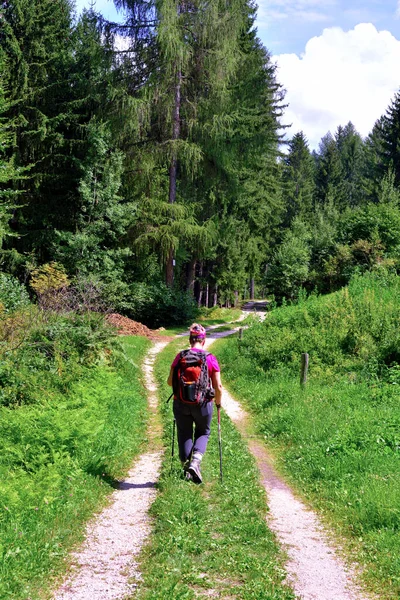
(197, 331)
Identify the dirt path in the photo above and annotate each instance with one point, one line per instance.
(105, 567)
(315, 569)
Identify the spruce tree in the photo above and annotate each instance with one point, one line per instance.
(298, 178)
(10, 175)
(389, 150)
(35, 36)
(238, 187)
(329, 175)
(350, 146)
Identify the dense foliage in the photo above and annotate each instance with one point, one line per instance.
(148, 153)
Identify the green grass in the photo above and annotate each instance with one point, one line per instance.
(338, 440)
(209, 317)
(169, 331)
(210, 537)
(216, 316)
(59, 460)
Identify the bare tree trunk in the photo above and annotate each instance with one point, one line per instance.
(206, 298)
(190, 275)
(200, 296)
(252, 286)
(173, 168)
(215, 296)
(236, 298)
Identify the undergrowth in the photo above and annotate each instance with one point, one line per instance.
(63, 443)
(210, 539)
(338, 439)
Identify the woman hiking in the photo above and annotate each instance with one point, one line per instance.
(196, 380)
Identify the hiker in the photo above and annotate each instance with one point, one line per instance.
(195, 378)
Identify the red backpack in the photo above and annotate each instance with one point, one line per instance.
(191, 381)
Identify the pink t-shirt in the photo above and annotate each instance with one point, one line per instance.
(212, 363)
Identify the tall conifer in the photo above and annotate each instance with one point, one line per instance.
(298, 178)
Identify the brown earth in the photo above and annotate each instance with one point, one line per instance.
(126, 326)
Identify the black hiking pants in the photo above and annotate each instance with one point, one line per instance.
(193, 424)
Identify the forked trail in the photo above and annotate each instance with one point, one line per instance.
(315, 570)
(106, 568)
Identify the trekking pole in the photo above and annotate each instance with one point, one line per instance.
(173, 441)
(219, 442)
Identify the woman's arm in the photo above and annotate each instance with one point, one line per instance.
(217, 385)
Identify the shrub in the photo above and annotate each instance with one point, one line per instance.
(13, 294)
(157, 304)
(42, 353)
(350, 330)
(289, 268)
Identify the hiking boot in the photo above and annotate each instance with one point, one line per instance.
(185, 473)
(194, 467)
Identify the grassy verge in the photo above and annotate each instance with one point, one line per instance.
(209, 317)
(337, 440)
(59, 460)
(210, 539)
(216, 316)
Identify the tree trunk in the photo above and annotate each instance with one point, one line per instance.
(200, 284)
(206, 298)
(252, 286)
(215, 296)
(190, 275)
(173, 167)
(236, 299)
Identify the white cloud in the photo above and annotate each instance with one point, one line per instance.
(342, 76)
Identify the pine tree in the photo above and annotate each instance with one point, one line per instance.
(240, 180)
(350, 146)
(329, 175)
(298, 178)
(390, 150)
(35, 37)
(9, 173)
(197, 51)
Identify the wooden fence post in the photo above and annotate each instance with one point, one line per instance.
(304, 369)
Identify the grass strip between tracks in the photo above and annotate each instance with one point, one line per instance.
(210, 540)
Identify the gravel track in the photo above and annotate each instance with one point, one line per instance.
(315, 569)
(105, 567)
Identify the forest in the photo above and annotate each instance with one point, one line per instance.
(146, 161)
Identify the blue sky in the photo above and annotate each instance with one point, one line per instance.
(287, 25)
(337, 60)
